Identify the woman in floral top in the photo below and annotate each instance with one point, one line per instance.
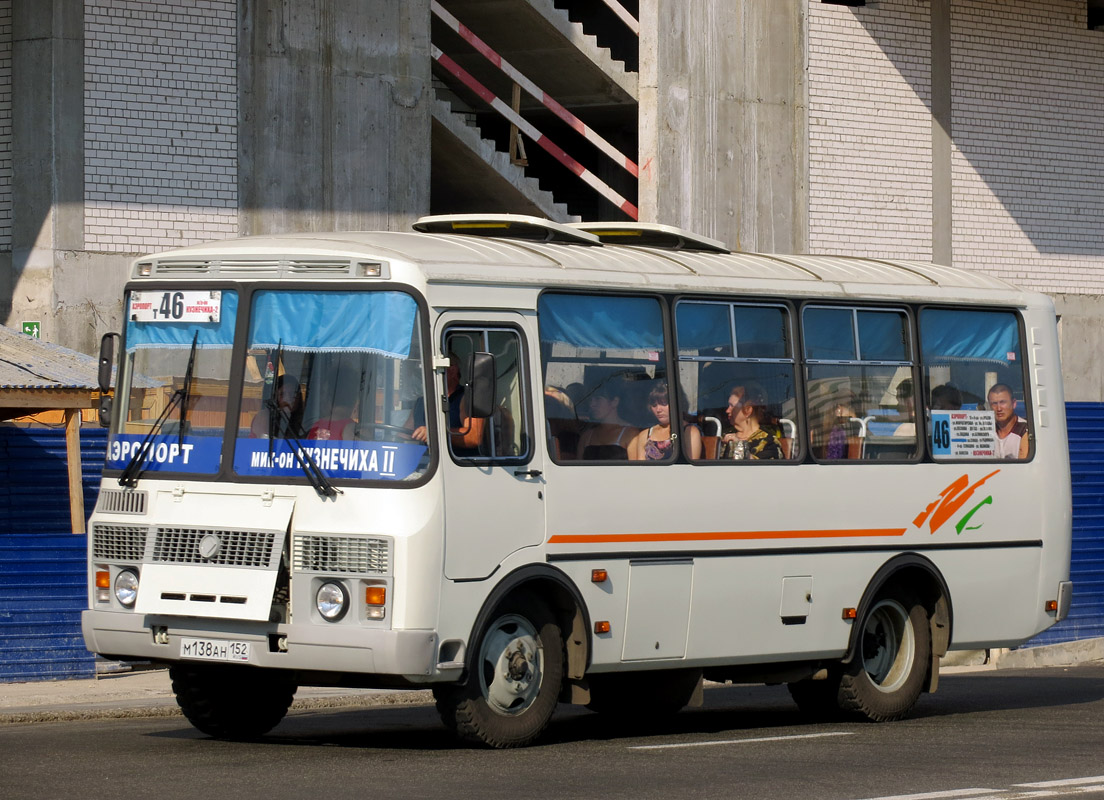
(753, 436)
(655, 443)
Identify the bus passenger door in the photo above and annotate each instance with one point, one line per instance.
(492, 468)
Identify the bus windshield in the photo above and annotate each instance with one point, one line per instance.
(338, 373)
(160, 378)
(335, 375)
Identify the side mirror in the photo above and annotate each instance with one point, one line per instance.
(482, 387)
(107, 359)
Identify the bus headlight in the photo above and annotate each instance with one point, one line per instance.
(332, 601)
(126, 588)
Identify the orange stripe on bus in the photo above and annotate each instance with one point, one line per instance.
(718, 536)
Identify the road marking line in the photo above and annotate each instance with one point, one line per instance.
(937, 795)
(739, 741)
(1065, 782)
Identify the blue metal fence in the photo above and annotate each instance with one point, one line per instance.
(42, 565)
(43, 579)
(1085, 423)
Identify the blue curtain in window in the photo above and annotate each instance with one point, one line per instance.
(334, 322)
(212, 335)
(951, 335)
(606, 323)
(704, 327)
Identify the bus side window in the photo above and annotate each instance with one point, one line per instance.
(737, 374)
(977, 396)
(860, 383)
(602, 356)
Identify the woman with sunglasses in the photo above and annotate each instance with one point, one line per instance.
(655, 443)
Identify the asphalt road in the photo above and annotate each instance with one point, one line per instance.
(999, 734)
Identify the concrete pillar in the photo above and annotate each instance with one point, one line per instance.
(334, 114)
(47, 152)
(723, 144)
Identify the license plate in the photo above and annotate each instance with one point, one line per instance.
(214, 650)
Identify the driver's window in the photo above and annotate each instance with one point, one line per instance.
(504, 435)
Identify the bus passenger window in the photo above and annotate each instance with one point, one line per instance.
(604, 361)
(737, 373)
(860, 385)
(974, 372)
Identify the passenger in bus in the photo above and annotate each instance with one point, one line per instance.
(609, 435)
(655, 443)
(843, 430)
(1012, 431)
(465, 431)
(906, 410)
(563, 422)
(340, 422)
(754, 435)
(946, 397)
(281, 417)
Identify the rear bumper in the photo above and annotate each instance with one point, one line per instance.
(409, 654)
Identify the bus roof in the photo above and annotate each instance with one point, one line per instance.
(482, 259)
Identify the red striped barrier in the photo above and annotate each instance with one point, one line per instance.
(525, 127)
(549, 102)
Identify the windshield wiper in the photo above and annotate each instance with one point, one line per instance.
(133, 470)
(310, 468)
(277, 414)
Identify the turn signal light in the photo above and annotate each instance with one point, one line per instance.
(375, 595)
(103, 580)
(602, 627)
(850, 613)
(599, 576)
(1051, 605)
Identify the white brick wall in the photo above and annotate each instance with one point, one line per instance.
(160, 123)
(870, 129)
(1027, 123)
(5, 124)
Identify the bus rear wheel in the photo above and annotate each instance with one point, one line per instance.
(513, 684)
(887, 674)
(231, 702)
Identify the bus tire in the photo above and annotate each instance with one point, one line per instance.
(232, 702)
(513, 685)
(639, 697)
(887, 673)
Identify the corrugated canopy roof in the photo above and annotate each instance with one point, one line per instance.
(27, 363)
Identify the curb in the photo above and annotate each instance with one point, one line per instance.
(169, 708)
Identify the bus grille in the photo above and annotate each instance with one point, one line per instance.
(119, 542)
(351, 555)
(226, 548)
(114, 501)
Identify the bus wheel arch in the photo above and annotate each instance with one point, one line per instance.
(527, 645)
(912, 572)
(902, 628)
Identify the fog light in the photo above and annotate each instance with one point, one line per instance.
(126, 588)
(332, 601)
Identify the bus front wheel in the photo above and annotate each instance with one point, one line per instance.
(513, 684)
(231, 702)
(887, 673)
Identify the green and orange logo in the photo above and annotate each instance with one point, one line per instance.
(950, 500)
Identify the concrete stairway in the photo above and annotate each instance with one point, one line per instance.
(471, 170)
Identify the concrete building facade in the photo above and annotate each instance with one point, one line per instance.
(959, 131)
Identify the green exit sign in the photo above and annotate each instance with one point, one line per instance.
(32, 329)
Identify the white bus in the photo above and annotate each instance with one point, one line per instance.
(521, 463)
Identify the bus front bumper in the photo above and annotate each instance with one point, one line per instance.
(330, 648)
